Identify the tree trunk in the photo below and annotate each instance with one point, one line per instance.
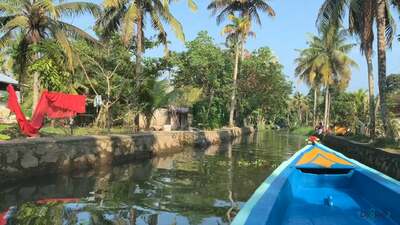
(381, 27)
(35, 88)
(326, 112)
(371, 97)
(21, 87)
(315, 107)
(210, 101)
(139, 42)
(299, 114)
(329, 109)
(101, 117)
(233, 95)
(148, 118)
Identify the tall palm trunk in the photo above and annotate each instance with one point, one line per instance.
(139, 42)
(36, 90)
(327, 105)
(371, 96)
(381, 27)
(36, 85)
(233, 95)
(299, 114)
(315, 107)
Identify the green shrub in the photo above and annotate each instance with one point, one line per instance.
(306, 131)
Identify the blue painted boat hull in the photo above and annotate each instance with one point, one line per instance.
(338, 195)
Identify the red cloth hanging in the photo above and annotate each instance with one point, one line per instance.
(51, 104)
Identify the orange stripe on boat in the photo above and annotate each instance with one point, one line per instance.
(321, 158)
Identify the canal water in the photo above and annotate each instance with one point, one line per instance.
(196, 186)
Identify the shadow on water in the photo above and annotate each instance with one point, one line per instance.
(195, 186)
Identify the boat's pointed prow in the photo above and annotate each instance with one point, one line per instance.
(320, 186)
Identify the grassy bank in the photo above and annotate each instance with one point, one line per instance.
(306, 131)
(12, 131)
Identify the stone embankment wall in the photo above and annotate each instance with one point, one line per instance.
(384, 161)
(42, 156)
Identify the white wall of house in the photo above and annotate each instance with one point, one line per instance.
(166, 119)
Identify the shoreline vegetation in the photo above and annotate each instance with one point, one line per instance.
(10, 132)
(384, 143)
(212, 84)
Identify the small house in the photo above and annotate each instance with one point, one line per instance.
(168, 118)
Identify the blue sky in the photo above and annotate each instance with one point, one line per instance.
(283, 34)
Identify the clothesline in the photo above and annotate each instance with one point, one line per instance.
(54, 105)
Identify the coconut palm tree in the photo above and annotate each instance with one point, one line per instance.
(245, 8)
(237, 33)
(327, 56)
(382, 10)
(360, 104)
(299, 101)
(307, 72)
(362, 15)
(126, 15)
(239, 30)
(31, 21)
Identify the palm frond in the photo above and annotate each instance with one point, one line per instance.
(192, 5)
(390, 26)
(17, 21)
(128, 24)
(78, 8)
(9, 7)
(110, 20)
(175, 25)
(162, 34)
(5, 19)
(63, 41)
(49, 7)
(265, 7)
(113, 3)
(72, 31)
(331, 13)
(6, 38)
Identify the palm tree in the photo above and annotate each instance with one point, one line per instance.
(327, 57)
(299, 101)
(237, 33)
(362, 15)
(246, 8)
(125, 15)
(360, 104)
(239, 30)
(307, 72)
(31, 21)
(382, 10)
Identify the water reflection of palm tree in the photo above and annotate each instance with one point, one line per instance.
(153, 219)
(132, 216)
(230, 184)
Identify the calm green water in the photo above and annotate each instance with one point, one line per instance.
(197, 186)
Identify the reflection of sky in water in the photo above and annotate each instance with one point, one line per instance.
(221, 203)
(83, 218)
(189, 187)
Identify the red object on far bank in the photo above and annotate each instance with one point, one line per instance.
(54, 105)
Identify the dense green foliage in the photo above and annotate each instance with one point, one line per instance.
(220, 85)
(206, 66)
(263, 89)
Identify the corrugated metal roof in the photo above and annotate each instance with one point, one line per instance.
(7, 79)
